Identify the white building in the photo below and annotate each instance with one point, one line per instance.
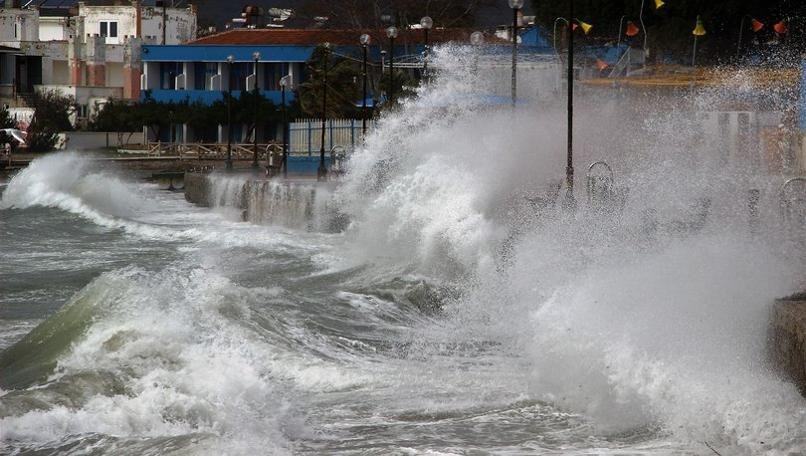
(88, 50)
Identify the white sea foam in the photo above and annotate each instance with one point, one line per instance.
(184, 364)
(654, 314)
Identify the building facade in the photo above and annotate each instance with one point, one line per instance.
(199, 72)
(87, 50)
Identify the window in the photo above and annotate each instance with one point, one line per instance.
(109, 29)
(202, 71)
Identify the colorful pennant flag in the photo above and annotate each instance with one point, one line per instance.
(632, 29)
(781, 28)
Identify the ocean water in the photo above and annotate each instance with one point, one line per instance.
(438, 300)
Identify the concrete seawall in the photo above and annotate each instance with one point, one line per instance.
(787, 341)
(197, 189)
(299, 202)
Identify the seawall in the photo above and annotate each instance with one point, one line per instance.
(298, 202)
(197, 189)
(787, 341)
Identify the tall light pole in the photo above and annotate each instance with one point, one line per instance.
(516, 5)
(699, 30)
(256, 57)
(391, 33)
(620, 30)
(554, 31)
(426, 23)
(364, 40)
(284, 81)
(569, 167)
(476, 39)
(230, 58)
(321, 173)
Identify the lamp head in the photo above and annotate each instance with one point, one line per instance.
(426, 22)
(391, 32)
(364, 39)
(230, 58)
(516, 4)
(256, 55)
(699, 29)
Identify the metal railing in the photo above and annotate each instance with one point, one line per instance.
(211, 151)
(792, 203)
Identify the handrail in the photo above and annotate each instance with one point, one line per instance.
(785, 204)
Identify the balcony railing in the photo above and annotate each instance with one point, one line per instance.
(209, 96)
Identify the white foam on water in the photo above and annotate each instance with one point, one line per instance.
(181, 351)
(654, 315)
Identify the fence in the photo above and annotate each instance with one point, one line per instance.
(306, 134)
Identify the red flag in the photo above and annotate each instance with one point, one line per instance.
(757, 25)
(601, 65)
(780, 28)
(632, 29)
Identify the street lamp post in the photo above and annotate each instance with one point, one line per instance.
(699, 30)
(476, 39)
(391, 33)
(256, 57)
(569, 168)
(516, 5)
(426, 23)
(554, 31)
(321, 173)
(284, 81)
(230, 58)
(364, 43)
(620, 29)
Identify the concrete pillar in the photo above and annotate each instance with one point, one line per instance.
(96, 60)
(132, 68)
(47, 70)
(75, 61)
(190, 76)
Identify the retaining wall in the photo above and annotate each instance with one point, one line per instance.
(197, 189)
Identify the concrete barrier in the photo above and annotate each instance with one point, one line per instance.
(787, 341)
(197, 188)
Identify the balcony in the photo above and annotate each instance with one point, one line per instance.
(208, 97)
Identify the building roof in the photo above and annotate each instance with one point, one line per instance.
(308, 37)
